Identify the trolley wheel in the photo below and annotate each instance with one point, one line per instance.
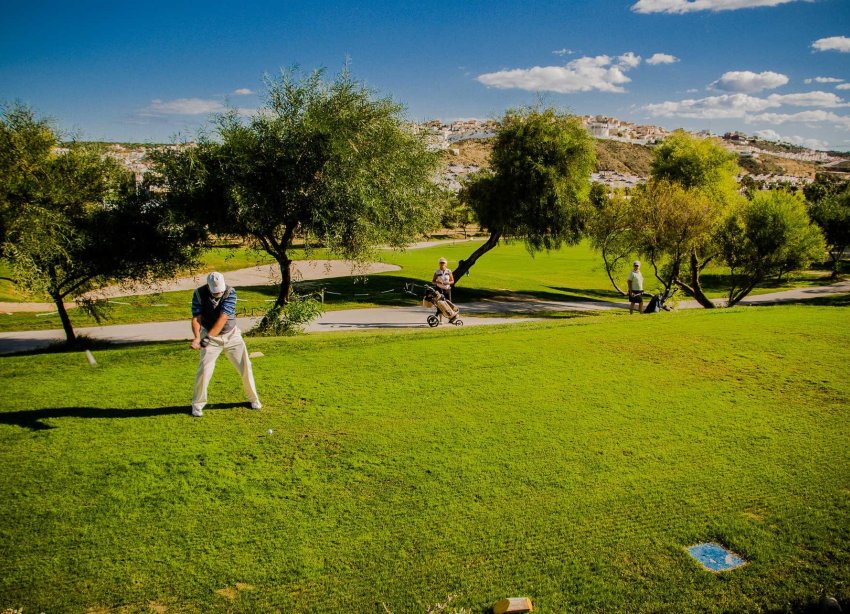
(458, 322)
(433, 321)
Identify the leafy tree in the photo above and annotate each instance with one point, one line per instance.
(611, 231)
(537, 186)
(670, 224)
(766, 236)
(707, 174)
(78, 222)
(832, 214)
(25, 142)
(326, 160)
(823, 186)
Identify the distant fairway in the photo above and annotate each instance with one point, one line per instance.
(570, 462)
(571, 273)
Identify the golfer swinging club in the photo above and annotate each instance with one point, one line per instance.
(214, 329)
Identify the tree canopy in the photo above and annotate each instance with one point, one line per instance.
(326, 160)
(538, 184)
(832, 214)
(767, 236)
(75, 221)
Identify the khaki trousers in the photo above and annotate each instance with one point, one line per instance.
(234, 347)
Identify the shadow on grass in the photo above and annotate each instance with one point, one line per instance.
(32, 418)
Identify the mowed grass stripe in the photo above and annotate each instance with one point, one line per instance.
(567, 461)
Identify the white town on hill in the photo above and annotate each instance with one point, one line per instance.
(446, 137)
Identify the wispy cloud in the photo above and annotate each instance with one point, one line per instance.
(832, 43)
(243, 91)
(689, 6)
(726, 106)
(842, 121)
(662, 58)
(823, 100)
(749, 82)
(601, 73)
(772, 135)
(823, 80)
(563, 52)
(845, 86)
(753, 109)
(184, 106)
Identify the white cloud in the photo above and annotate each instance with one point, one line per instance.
(803, 117)
(601, 73)
(689, 6)
(662, 58)
(808, 99)
(749, 82)
(726, 106)
(563, 51)
(772, 135)
(243, 91)
(845, 86)
(823, 80)
(184, 106)
(832, 43)
(629, 60)
(741, 106)
(693, 90)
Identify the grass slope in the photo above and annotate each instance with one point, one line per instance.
(571, 462)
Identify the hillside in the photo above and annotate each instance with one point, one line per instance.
(627, 158)
(610, 155)
(766, 165)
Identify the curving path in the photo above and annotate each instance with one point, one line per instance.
(382, 318)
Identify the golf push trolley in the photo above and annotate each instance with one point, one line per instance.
(445, 308)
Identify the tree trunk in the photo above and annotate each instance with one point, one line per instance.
(70, 337)
(696, 287)
(464, 265)
(835, 255)
(285, 280)
(734, 298)
(608, 268)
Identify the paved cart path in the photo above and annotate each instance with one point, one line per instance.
(380, 318)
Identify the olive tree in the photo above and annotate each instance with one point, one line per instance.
(327, 161)
(767, 236)
(832, 214)
(537, 187)
(75, 221)
(706, 174)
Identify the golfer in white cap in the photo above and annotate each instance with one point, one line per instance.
(214, 330)
(635, 288)
(444, 279)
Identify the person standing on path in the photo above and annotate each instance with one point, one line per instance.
(635, 288)
(214, 330)
(444, 279)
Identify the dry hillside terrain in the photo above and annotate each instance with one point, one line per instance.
(631, 159)
(610, 155)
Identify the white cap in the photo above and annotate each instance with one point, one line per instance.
(216, 283)
(443, 260)
(637, 263)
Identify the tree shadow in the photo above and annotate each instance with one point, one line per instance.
(586, 294)
(32, 418)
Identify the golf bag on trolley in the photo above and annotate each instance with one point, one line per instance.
(445, 308)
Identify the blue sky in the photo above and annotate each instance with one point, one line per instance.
(146, 72)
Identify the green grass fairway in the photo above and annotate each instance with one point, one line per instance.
(571, 273)
(567, 461)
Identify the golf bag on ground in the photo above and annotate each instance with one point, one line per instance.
(654, 305)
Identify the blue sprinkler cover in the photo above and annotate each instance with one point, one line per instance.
(715, 557)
